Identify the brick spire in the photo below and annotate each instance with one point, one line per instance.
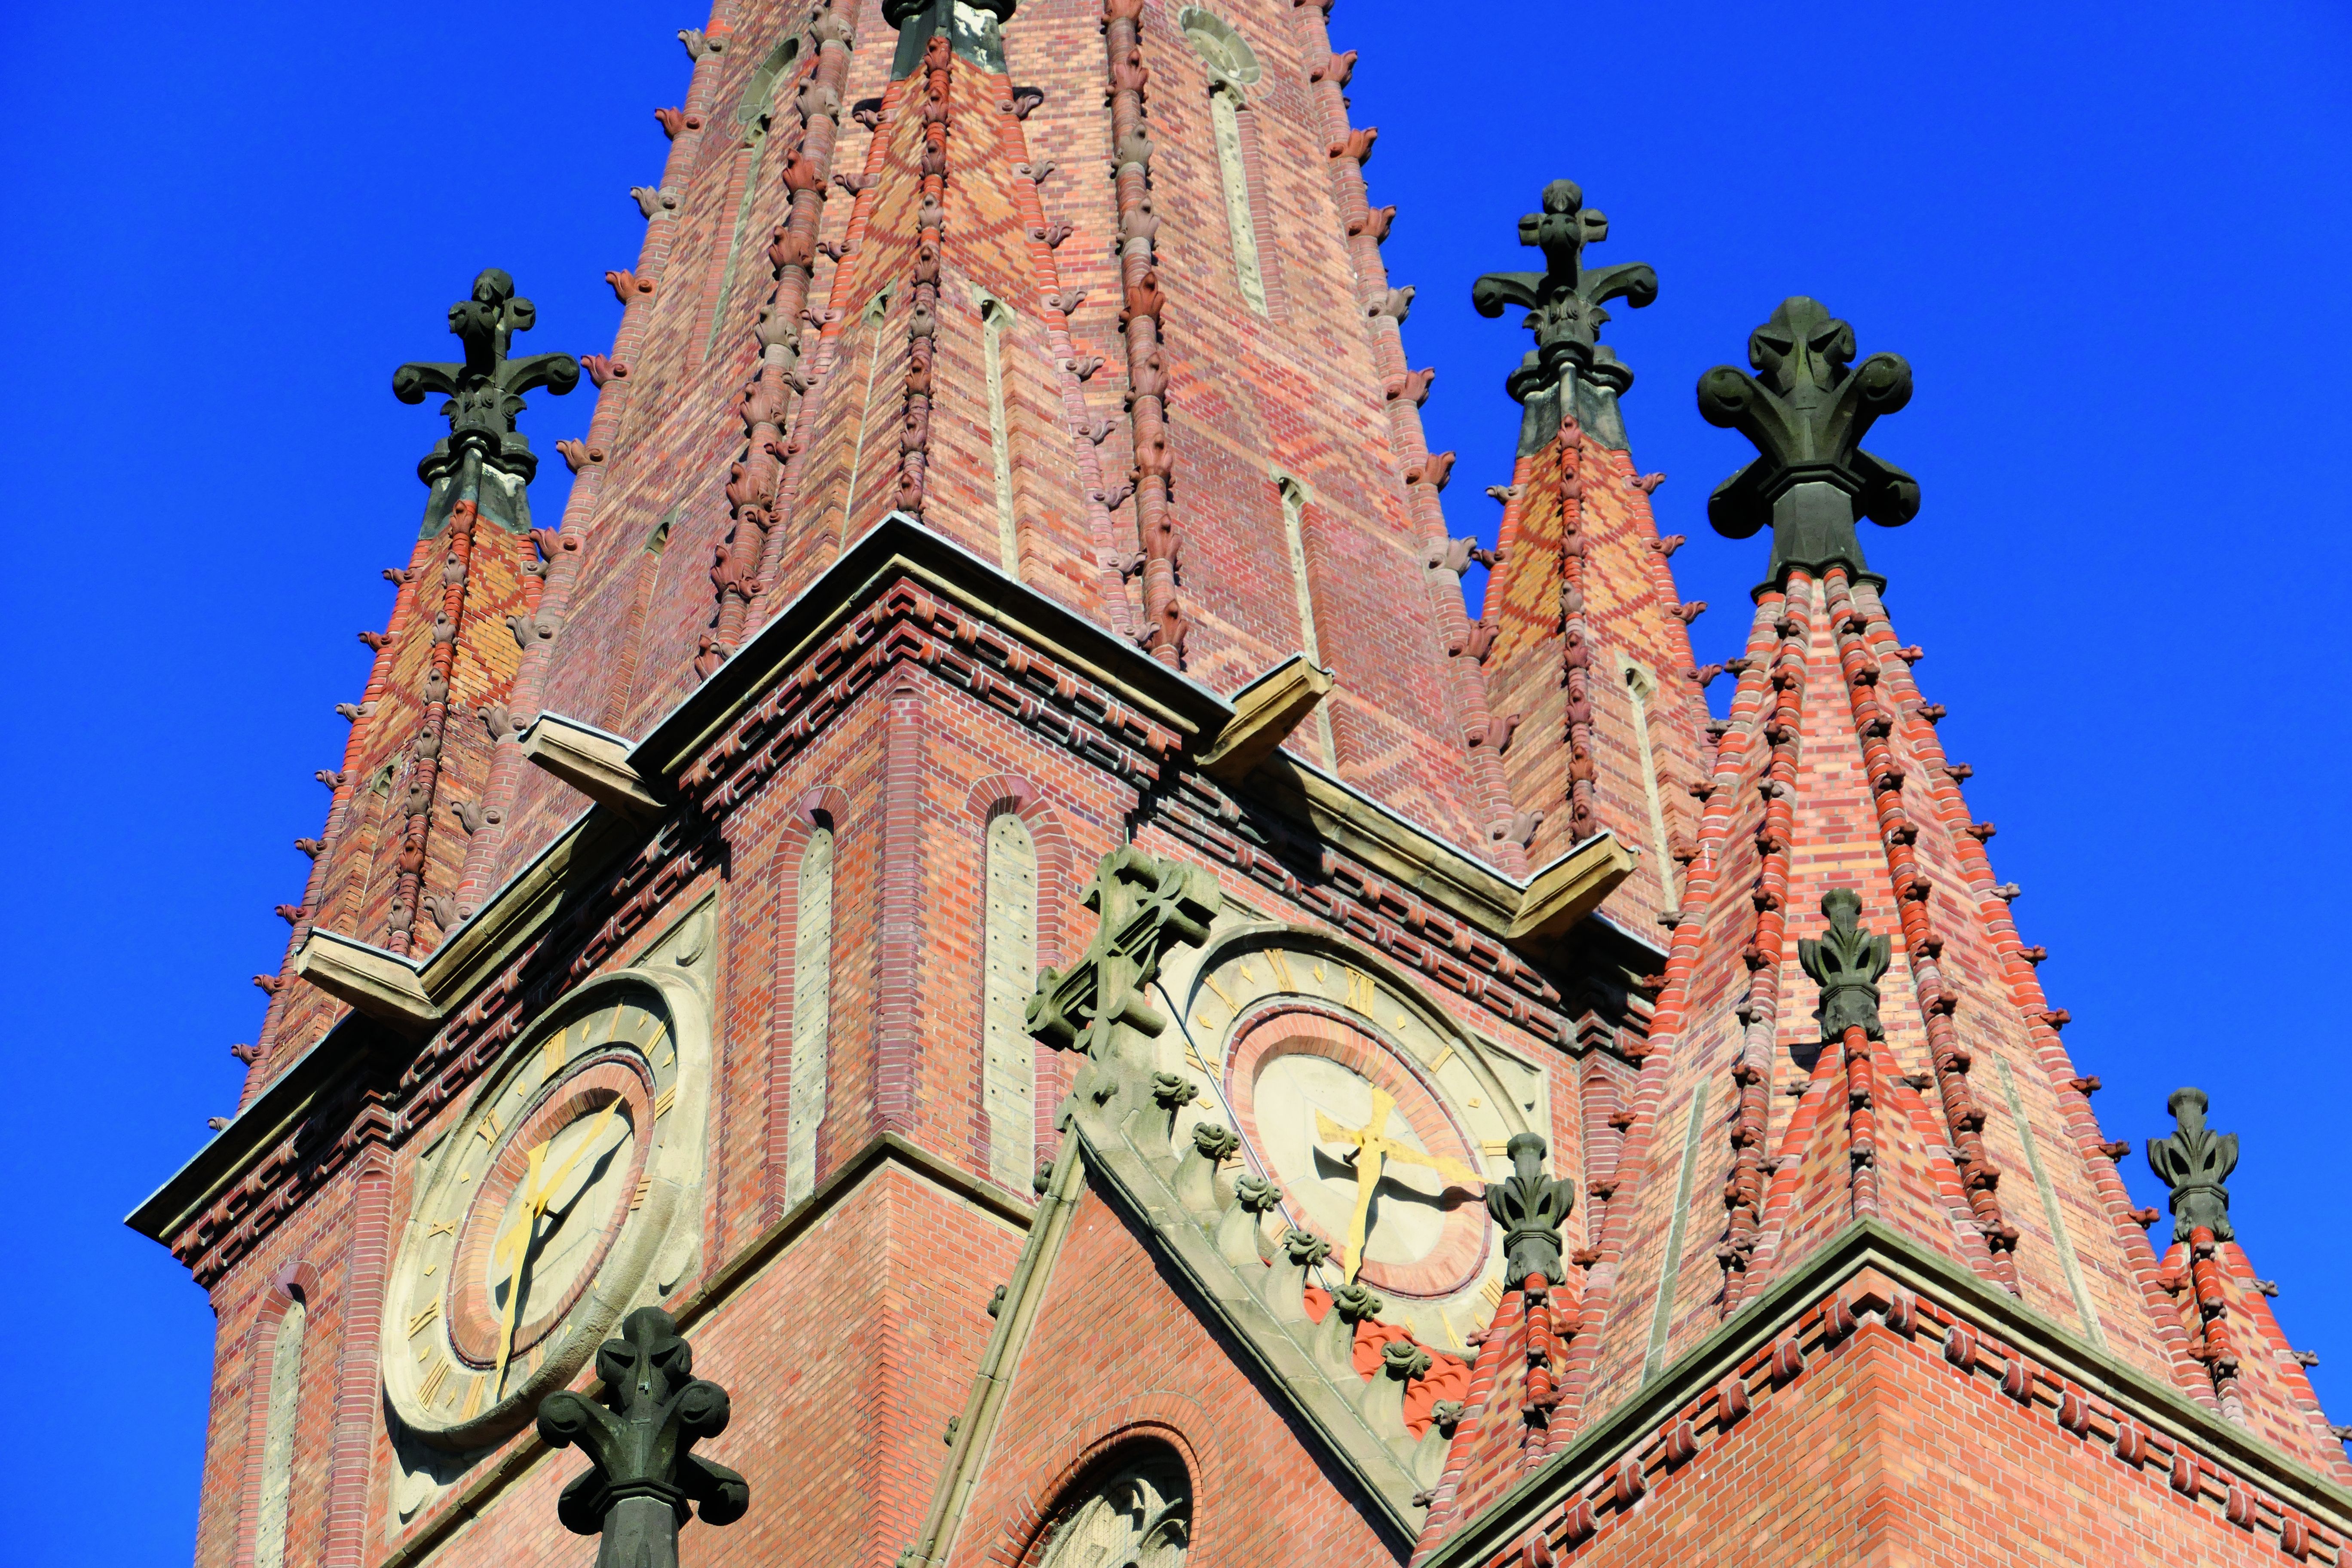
(388, 865)
(1847, 1026)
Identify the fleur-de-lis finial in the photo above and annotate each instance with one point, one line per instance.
(1565, 304)
(1530, 1207)
(651, 1410)
(1845, 963)
(2194, 1163)
(485, 392)
(1807, 412)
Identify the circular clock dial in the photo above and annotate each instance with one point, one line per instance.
(540, 1216)
(1370, 1156)
(1378, 1120)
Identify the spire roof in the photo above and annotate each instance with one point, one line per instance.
(1849, 1026)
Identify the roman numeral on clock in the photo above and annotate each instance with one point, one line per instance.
(424, 1315)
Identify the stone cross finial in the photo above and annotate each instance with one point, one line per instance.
(1564, 301)
(1530, 1207)
(1807, 412)
(2194, 1163)
(1845, 963)
(1146, 906)
(485, 394)
(653, 1408)
(1568, 371)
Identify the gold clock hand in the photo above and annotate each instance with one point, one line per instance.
(512, 1250)
(1451, 1168)
(562, 1211)
(1371, 1150)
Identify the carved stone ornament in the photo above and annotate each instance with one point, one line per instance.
(1146, 906)
(973, 28)
(1845, 963)
(1530, 1207)
(2194, 1163)
(485, 392)
(1139, 1516)
(1564, 301)
(1568, 370)
(651, 1410)
(1807, 412)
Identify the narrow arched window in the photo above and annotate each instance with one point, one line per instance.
(1641, 690)
(285, 1400)
(1135, 1512)
(812, 1013)
(1009, 960)
(1233, 69)
(1293, 535)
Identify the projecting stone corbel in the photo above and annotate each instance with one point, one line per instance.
(1572, 888)
(1264, 713)
(591, 760)
(383, 986)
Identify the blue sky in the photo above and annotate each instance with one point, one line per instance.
(2108, 241)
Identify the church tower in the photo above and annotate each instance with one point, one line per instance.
(982, 873)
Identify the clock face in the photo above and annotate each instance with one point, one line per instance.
(542, 1212)
(1378, 1119)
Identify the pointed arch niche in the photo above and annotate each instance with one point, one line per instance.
(1026, 859)
(1232, 70)
(273, 1418)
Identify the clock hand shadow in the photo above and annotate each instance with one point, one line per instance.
(594, 1174)
(520, 1281)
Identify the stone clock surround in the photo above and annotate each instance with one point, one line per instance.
(652, 1240)
(1465, 1238)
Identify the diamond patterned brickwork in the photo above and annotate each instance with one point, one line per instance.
(1582, 584)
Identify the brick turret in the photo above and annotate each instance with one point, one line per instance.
(1848, 1035)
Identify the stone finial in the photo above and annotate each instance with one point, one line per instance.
(1147, 907)
(485, 394)
(1530, 1207)
(1564, 301)
(1807, 416)
(1845, 963)
(651, 1410)
(485, 390)
(2194, 1163)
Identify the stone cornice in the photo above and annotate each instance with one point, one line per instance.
(1768, 1336)
(899, 546)
(900, 595)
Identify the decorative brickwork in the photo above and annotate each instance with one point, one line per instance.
(1513, 1118)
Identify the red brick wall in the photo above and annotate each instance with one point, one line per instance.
(1114, 1355)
